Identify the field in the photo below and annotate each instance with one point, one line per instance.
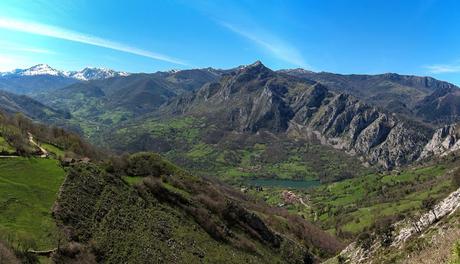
(234, 157)
(5, 147)
(28, 189)
(57, 152)
(348, 207)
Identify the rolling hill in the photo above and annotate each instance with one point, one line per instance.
(84, 210)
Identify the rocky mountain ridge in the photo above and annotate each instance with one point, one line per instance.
(445, 140)
(255, 98)
(335, 109)
(423, 98)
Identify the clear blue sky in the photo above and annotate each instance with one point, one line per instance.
(408, 37)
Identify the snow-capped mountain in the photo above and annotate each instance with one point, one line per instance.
(42, 77)
(86, 74)
(40, 69)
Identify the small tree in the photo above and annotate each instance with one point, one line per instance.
(456, 178)
(364, 241)
(384, 231)
(341, 259)
(428, 204)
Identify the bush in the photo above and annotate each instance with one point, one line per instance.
(456, 178)
(203, 218)
(384, 231)
(148, 164)
(364, 240)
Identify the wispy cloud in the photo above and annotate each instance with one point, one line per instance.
(271, 44)
(62, 33)
(6, 46)
(444, 68)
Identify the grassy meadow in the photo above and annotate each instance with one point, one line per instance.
(28, 189)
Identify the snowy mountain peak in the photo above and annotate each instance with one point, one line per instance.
(91, 73)
(40, 69)
(87, 74)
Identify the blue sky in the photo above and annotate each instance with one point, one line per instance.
(407, 37)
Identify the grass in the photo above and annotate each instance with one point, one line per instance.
(200, 151)
(28, 189)
(357, 203)
(5, 147)
(353, 205)
(132, 180)
(156, 223)
(59, 153)
(208, 150)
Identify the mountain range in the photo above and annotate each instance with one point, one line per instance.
(235, 147)
(385, 120)
(42, 77)
(335, 110)
(420, 98)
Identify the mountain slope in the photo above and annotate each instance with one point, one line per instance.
(171, 216)
(12, 103)
(110, 101)
(442, 106)
(403, 94)
(255, 98)
(138, 208)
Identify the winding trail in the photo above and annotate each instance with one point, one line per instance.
(32, 141)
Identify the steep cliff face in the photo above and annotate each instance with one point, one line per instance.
(346, 123)
(444, 141)
(255, 98)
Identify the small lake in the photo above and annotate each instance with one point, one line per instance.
(281, 183)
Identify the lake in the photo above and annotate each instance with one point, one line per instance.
(282, 183)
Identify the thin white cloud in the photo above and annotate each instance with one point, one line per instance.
(62, 33)
(443, 68)
(276, 47)
(6, 46)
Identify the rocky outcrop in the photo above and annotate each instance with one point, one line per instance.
(346, 123)
(407, 229)
(254, 98)
(445, 140)
(447, 206)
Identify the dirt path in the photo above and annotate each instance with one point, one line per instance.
(32, 141)
(302, 202)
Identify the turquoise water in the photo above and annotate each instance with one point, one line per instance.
(284, 183)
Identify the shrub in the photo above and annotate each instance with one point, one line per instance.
(456, 178)
(148, 164)
(364, 240)
(203, 218)
(384, 231)
(245, 245)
